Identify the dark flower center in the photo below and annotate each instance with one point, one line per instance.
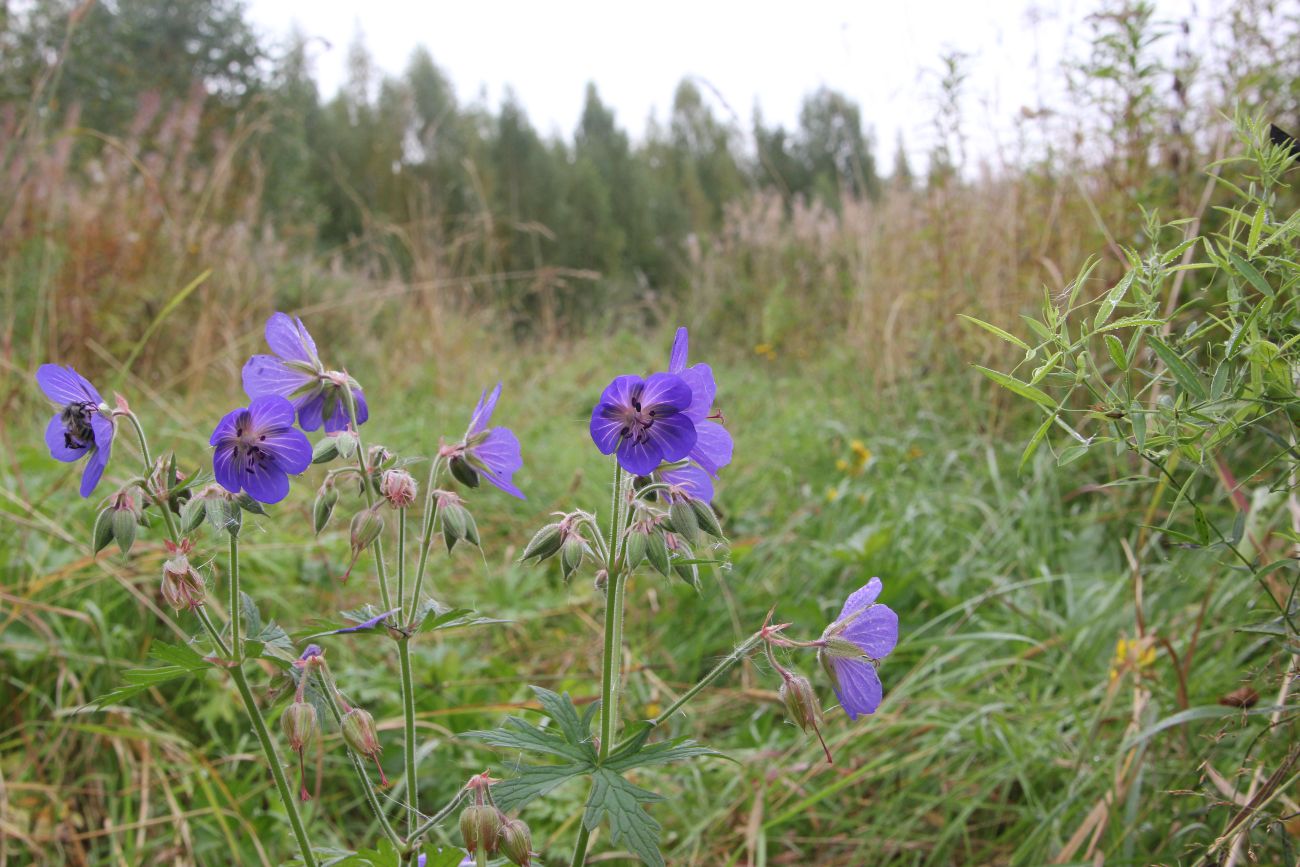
(249, 445)
(77, 432)
(638, 420)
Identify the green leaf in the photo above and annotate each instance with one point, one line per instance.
(534, 781)
(1035, 441)
(1113, 299)
(1116, 350)
(618, 802)
(448, 618)
(516, 734)
(561, 710)
(1181, 370)
(1256, 226)
(993, 329)
(1252, 276)
(636, 755)
(182, 660)
(1023, 389)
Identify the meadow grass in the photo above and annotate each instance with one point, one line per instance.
(1003, 739)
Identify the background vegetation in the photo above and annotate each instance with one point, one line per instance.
(167, 180)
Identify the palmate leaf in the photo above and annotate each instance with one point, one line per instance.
(615, 800)
(516, 734)
(433, 615)
(534, 781)
(636, 755)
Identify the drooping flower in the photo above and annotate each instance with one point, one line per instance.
(490, 452)
(713, 445)
(644, 421)
(295, 372)
(81, 427)
(852, 647)
(688, 482)
(257, 447)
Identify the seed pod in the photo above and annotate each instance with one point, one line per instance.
(182, 585)
(366, 527)
(545, 543)
(457, 523)
(517, 842)
(801, 704)
(480, 826)
(359, 732)
(299, 724)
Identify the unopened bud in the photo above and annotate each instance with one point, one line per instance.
(545, 543)
(517, 842)
(462, 472)
(325, 451)
(681, 517)
(571, 554)
(366, 527)
(346, 442)
(635, 543)
(801, 704)
(398, 488)
(299, 724)
(323, 508)
(657, 553)
(602, 580)
(480, 826)
(457, 523)
(126, 516)
(378, 458)
(706, 518)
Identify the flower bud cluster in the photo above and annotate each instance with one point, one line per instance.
(483, 826)
(118, 522)
(457, 523)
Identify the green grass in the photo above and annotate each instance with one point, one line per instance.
(1001, 731)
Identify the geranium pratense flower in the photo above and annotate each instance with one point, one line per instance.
(644, 421)
(81, 427)
(490, 452)
(713, 444)
(296, 373)
(256, 447)
(863, 634)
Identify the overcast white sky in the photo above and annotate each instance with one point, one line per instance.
(885, 55)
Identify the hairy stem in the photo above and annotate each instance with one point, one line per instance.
(273, 759)
(408, 738)
(426, 537)
(235, 603)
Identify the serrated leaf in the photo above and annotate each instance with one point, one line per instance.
(448, 618)
(182, 660)
(534, 781)
(516, 734)
(561, 710)
(618, 802)
(637, 755)
(1023, 389)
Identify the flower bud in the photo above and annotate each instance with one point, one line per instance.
(635, 543)
(126, 516)
(480, 826)
(359, 732)
(379, 458)
(706, 518)
(572, 552)
(102, 533)
(346, 442)
(325, 451)
(398, 488)
(601, 581)
(323, 507)
(299, 724)
(457, 523)
(545, 543)
(682, 520)
(462, 472)
(657, 553)
(517, 842)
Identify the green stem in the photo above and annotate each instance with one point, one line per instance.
(401, 560)
(366, 487)
(235, 603)
(580, 847)
(438, 816)
(359, 767)
(741, 651)
(426, 536)
(277, 771)
(480, 856)
(213, 632)
(408, 742)
(144, 442)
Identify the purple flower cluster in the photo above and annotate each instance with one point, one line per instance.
(851, 647)
(665, 418)
(80, 428)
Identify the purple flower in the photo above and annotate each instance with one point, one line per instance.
(489, 452)
(79, 428)
(854, 644)
(255, 449)
(713, 445)
(295, 372)
(644, 421)
(688, 482)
